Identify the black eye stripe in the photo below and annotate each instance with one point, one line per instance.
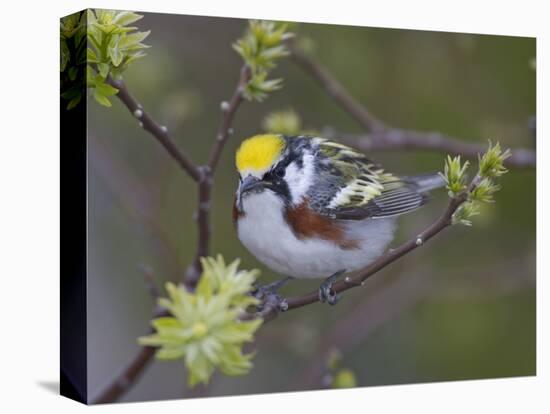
(280, 169)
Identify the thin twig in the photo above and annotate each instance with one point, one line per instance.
(159, 132)
(133, 197)
(132, 372)
(392, 139)
(335, 89)
(384, 137)
(128, 377)
(204, 177)
(228, 110)
(228, 113)
(391, 256)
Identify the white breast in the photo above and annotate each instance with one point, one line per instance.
(263, 231)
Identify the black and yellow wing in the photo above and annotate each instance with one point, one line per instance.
(348, 186)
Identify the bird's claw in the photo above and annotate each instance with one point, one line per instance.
(270, 301)
(326, 292)
(268, 296)
(263, 291)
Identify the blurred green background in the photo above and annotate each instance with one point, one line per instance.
(462, 307)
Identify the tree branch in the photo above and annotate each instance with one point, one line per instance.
(228, 110)
(384, 137)
(433, 141)
(336, 90)
(133, 371)
(204, 177)
(228, 113)
(159, 132)
(128, 377)
(389, 257)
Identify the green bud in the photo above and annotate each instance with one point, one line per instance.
(259, 87)
(204, 327)
(465, 212)
(283, 122)
(481, 189)
(112, 46)
(261, 47)
(491, 164)
(454, 174)
(344, 378)
(484, 191)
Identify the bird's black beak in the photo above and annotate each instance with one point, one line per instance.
(249, 184)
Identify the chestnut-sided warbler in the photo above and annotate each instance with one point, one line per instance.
(308, 207)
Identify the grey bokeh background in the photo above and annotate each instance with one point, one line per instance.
(462, 307)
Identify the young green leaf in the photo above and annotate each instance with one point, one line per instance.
(204, 328)
(491, 163)
(65, 55)
(126, 17)
(105, 89)
(74, 102)
(101, 99)
(260, 47)
(115, 53)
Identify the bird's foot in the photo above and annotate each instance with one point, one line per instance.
(260, 292)
(268, 296)
(326, 293)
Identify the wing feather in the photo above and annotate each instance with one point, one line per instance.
(355, 188)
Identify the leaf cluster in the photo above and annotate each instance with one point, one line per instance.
(112, 46)
(490, 167)
(73, 58)
(260, 47)
(454, 174)
(204, 326)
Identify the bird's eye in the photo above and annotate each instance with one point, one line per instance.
(279, 172)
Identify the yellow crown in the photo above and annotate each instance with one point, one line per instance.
(258, 153)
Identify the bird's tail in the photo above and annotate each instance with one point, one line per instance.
(426, 182)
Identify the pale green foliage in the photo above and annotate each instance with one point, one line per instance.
(345, 378)
(454, 174)
(259, 87)
(112, 46)
(204, 326)
(491, 166)
(285, 122)
(339, 377)
(484, 191)
(465, 212)
(260, 47)
(73, 58)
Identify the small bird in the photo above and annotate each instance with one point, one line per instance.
(309, 207)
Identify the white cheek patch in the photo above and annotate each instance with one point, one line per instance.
(300, 180)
